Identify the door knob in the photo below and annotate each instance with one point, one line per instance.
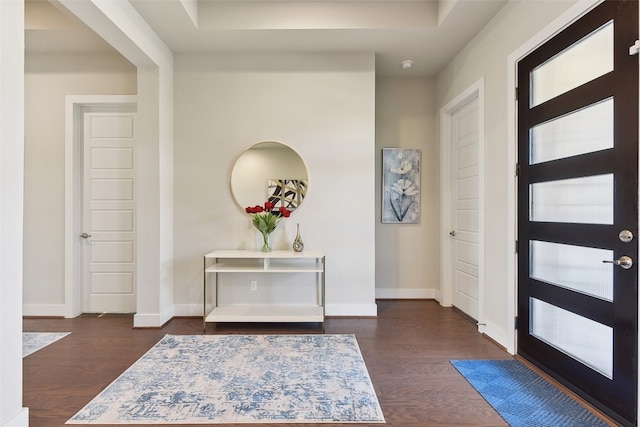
(624, 262)
(625, 236)
(85, 235)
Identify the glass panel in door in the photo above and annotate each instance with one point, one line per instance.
(582, 62)
(583, 131)
(563, 330)
(573, 267)
(587, 200)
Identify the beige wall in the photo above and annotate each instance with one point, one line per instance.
(318, 110)
(407, 260)
(323, 106)
(487, 56)
(48, 79)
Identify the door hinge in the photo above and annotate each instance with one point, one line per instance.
(517, 246)
(517, 93)
(515, 322)
(635, 48)
(517, 169)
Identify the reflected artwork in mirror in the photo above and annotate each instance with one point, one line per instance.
(288, 193)
(269, 171)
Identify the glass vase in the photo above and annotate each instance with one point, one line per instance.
(298, 245)
(266, 246)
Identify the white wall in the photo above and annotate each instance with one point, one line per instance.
(48, 78)
(12, 414)
(323, 106)
(487, 56)
(407, 255)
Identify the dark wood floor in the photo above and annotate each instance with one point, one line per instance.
(407, 350)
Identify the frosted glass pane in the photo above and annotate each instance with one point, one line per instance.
(583, 131)
(588, 342)
(579, 200)
(573, 267)
(585, 60)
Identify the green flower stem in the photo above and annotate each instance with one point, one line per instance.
(265, 243)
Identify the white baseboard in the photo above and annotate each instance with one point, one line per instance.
(59, 310)
(44, 310)
(396, 293)
(20, 420)
(369, 310)
(151, 320)
(195, 310)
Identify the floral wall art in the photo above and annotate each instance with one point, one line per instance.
(401, 185)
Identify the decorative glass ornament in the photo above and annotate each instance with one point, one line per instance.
(298, 245)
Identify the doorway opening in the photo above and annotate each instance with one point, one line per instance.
(462, 203)
(75, 109)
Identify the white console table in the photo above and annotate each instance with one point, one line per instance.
(275, 262)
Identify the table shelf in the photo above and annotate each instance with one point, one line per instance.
(276, 262)
(266, 313)
(233, 268)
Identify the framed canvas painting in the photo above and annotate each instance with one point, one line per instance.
(401, 185)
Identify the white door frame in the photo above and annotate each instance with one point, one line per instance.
(75, 107)
(476, 90)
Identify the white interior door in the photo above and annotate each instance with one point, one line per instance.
(109, 281)
(465, 221)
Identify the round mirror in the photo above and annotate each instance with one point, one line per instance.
(269, 171)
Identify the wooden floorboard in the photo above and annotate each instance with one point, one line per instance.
(407, 350)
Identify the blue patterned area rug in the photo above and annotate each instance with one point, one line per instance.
(522, 397)
(215, 379)
(34, 341)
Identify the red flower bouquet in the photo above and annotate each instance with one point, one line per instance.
(265, 220)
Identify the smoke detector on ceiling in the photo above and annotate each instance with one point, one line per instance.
(406, 64)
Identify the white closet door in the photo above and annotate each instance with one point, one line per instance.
(109, 213)
(465, 202)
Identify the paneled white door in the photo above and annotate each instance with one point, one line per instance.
(465, 231)
(109, 281)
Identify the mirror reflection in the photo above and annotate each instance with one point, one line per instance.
(269, 171)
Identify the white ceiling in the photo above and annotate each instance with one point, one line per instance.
(428, 32)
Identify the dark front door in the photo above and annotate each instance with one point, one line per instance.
(578, 208)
